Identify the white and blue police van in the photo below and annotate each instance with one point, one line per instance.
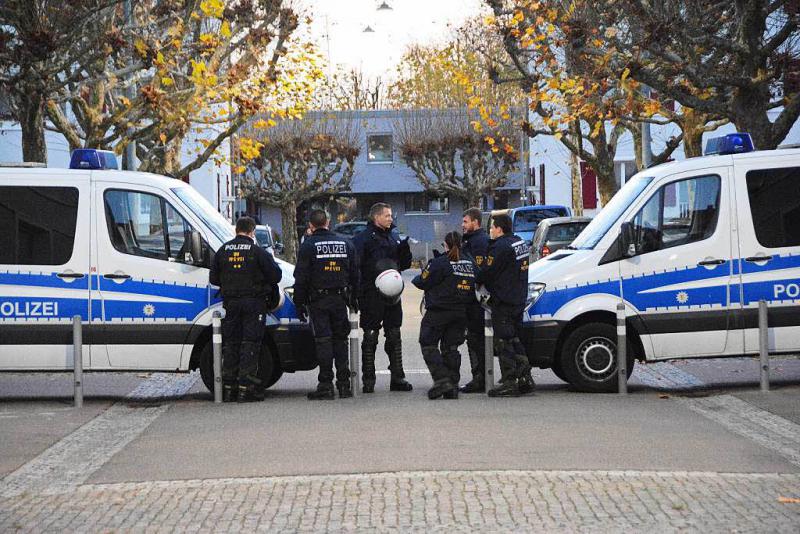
(129, 252)
(690, 248)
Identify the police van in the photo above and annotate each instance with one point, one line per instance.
(128, 252)
(690, 248)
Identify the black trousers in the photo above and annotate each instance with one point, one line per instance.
(441, 333)
(507, 323)
(476, 340)
(376, 312)
(331, 326)
(242, 333)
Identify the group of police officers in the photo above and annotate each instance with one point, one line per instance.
(334, 273)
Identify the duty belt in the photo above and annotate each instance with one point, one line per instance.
(331, 291)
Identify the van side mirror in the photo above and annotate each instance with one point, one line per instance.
(627, 240)
(195, 257)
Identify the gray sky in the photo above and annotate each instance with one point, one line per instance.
(377, 53)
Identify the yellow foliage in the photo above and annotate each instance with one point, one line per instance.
(212, 8)
(250, 148)
(225, 29)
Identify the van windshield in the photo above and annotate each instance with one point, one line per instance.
(210, 217)
(609, 215)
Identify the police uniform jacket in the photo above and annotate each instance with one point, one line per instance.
(325, 261)
(378, 250)
(476, 244)
(505, 273)
(241, 268)
(448, 285)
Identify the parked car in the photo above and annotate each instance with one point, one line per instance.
(526, 219)
(264, 238)
(556, 233)
(349, 229)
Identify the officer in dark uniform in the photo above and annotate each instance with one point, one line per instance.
(475, 243)
(380, 248)
(247, 276)
(326, 281)
(449, 285)
(505, 275)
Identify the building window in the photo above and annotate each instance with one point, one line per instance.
(426, 203)
(379, 148)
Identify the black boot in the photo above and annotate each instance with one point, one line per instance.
(324, 392)
(345, 391)
(452, 394)
(474, 386)
(508, 388)
(508, 381)
(526, 384)
(249, 394)
(440, 387)
(394, 349)
(229, 392)
(368, 347)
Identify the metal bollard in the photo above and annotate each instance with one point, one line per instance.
(622, 350)
(216, 343)
(488, 345)
(77, 359)
(354, 356)
(763, 344)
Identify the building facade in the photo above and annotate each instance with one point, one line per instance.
(382, 176)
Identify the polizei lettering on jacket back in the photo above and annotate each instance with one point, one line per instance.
(29, 309)
(521, 249)
(331, 249)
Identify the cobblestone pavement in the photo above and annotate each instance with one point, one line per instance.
(456, 501)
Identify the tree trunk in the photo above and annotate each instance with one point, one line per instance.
(693, 142)
(606, 184)
(577, 186)
(289, 228)
(32, 112)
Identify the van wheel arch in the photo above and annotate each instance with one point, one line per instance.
(203, 344)
(601, 317)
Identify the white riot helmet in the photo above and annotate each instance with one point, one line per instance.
(390, 284)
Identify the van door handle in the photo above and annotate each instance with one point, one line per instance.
(112, 276)
(711, 262)
(756, 259)
(73, 276)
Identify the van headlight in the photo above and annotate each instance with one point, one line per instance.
(535, 290)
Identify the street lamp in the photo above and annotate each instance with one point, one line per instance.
(384, 7)
(368, 29)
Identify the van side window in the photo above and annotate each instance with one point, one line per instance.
(679, 213)
(775, 206)
(136, 223)
(37, 224)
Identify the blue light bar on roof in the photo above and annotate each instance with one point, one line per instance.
(737, 143)
(91, 158)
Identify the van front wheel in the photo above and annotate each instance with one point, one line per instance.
(268, 366)
(589, 358)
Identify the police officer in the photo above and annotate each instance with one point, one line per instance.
(449, 285)
(326, 281)
(505, 275)
(475, 243)
(247, 275)
(380, 248)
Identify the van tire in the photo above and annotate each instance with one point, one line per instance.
(588, 359)
(268, 366)
(558, 371)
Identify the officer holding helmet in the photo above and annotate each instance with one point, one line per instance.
(475, 245)
(326, 281)
(382, 255)
(449, 284)
(246, 275)
(505, 275)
